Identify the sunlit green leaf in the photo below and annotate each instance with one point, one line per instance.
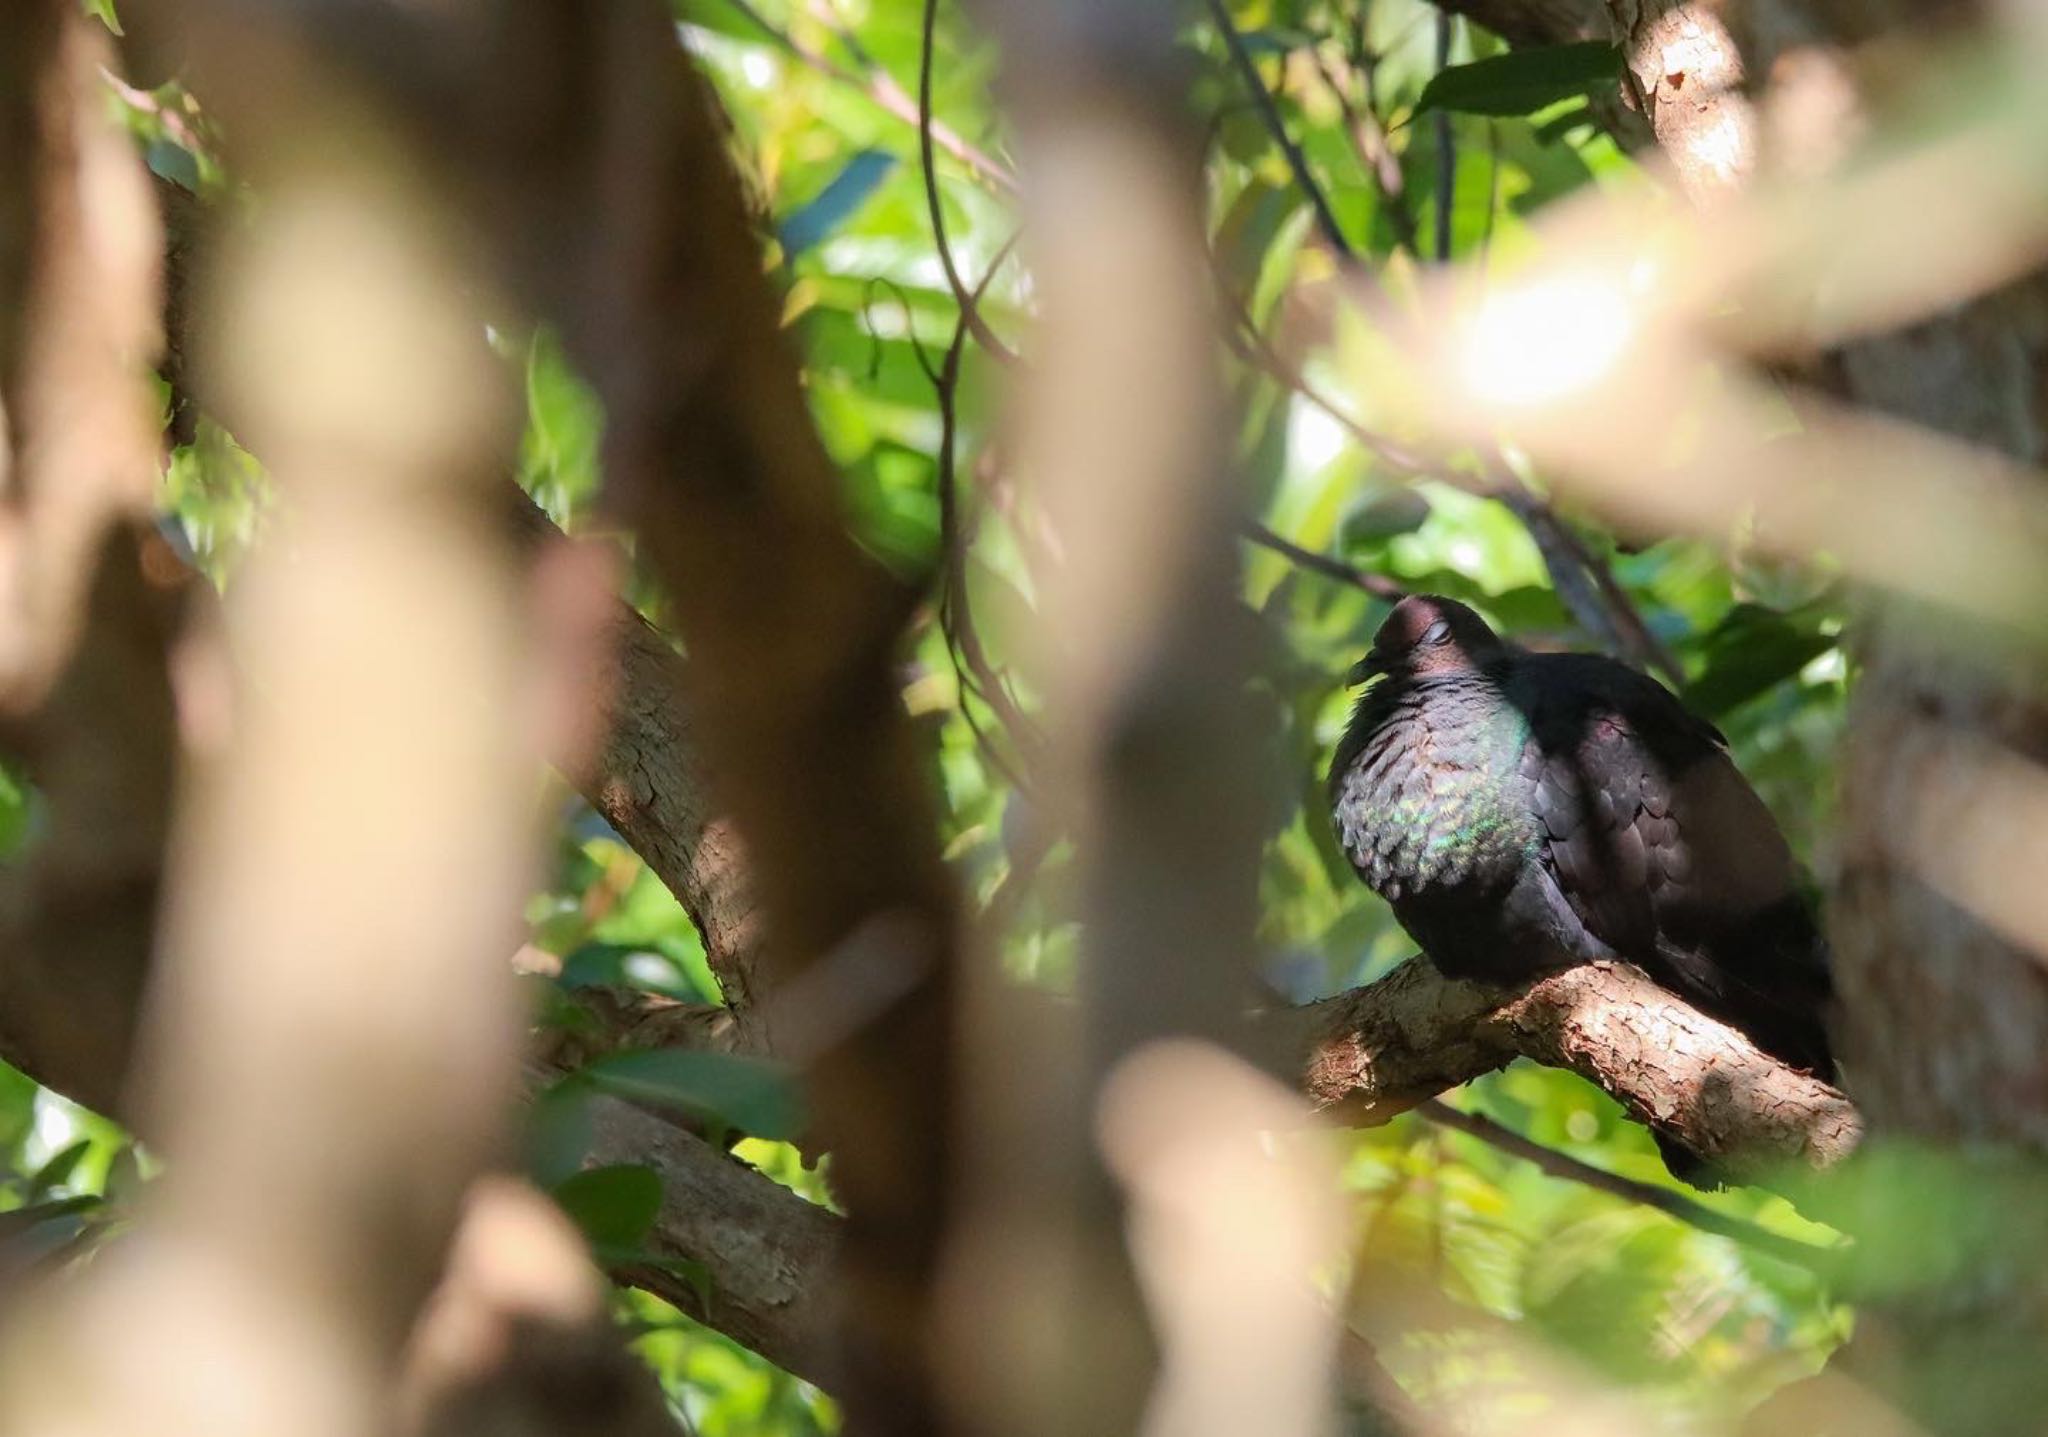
(749, 1094)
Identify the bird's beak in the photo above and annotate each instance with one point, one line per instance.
(1366, 669)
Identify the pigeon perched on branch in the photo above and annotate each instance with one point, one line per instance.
(1525, 811)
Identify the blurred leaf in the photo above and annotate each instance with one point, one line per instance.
(753, 1096)
(45, 1234)
(1600, 1287)
(1558, 126)
(1751, 650)
(845, 193)
(19, 1220)
(1277, 41)
(57, 1171)
(1249, 228)
(615, 1206)
(626, 965)
(1397, 511)
(721, 17)
(558, 1132)
(15, 810)
(1522, 81)
(173, 162)
(124, 1175)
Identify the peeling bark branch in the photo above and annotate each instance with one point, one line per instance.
(1684, 84)
(1379, 1050)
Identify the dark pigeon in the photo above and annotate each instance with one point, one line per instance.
(1523, 812)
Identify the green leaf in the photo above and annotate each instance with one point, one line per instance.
(1521, 81)
(124, 1175)
(755, 1097)
(626, 965)
(1383, 515)
(59, 1168)
(16, 809)
(615, 1206)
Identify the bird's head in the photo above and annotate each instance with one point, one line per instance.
(1428, 634)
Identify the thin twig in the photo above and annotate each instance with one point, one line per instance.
(1673, 1204)
(882, 89)
(1375, 154)
(971, 665)
(1446, 149)
(1378, 585)
(1297, 162)
(970, 311)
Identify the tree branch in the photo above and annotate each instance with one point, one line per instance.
(732, 1247)
(1384, 1048)
(649, 786)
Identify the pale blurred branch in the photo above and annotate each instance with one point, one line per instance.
(518, 1337)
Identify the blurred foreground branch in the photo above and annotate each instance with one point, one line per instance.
(712, 454)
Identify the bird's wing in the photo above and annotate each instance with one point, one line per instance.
(1652, 830)
(1666, 853)
(1607, 827)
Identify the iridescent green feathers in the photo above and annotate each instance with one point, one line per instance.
(1427, 788)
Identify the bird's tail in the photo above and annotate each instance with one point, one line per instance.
(1779, 1001)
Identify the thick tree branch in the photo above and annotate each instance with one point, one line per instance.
(732, 1247)
(1386, 1047)
(648, 785)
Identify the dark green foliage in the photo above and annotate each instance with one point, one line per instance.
(615, 1206)
(1522, 81)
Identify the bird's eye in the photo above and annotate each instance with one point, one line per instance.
(1437, 632)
